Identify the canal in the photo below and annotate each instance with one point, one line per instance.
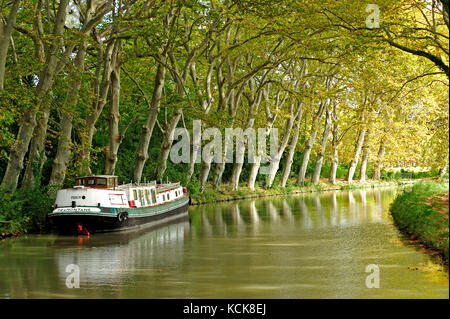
(315, 245)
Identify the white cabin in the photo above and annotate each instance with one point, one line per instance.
(104, 191)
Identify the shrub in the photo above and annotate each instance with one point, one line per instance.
(24, 211)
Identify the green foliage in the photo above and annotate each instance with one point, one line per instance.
(193, 186)
(24, 211)
(405, 174)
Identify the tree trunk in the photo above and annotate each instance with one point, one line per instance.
(365, 157)
(147, 129)
(101, 88)
(18, 152)
(444, 168)
(218, 172)
(5, 37)
(254, 173)
(310, 143)
(36, 156)
(204, 173)
(334, 151)
(290, 157)
(196, 148)
(114, 138)
(167, 143)
(354, 162)
(64, 150)
(275, 162)
(379, 161)
(237, 167)
(321, 153)
(306, 154)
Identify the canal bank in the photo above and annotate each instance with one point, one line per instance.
(226, 193)
(422, 213)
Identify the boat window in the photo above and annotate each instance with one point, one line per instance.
(147, 196)
(91, 181)
(168, 197)
(134, 194)
(116, 199)
(153, 195)
(141, 196)
(101, 181)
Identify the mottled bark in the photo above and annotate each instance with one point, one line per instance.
(354, 162)
(292, 146)
(334, 148)
(196, 150)
(237, 167)
(101, 87)
(36, 155)
(6, 28)
(365, 158)
(444, 168)
(254, 172)
(147, 129)
(379, 161)
(204, 173)
(254, 97)
(275, 162)
(322, 147)
(206, 106)
(167, 143)
(310, 142)
(64, 148)
(17, 153)
(114, 136)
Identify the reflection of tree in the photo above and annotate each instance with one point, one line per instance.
(307, 222)
(273, 213)
(334, 210)
(362, 195)
(287, 211)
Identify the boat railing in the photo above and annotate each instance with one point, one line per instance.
(148, 184)
(163, 187)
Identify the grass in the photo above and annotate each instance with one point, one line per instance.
(226, 193)
(420, 212)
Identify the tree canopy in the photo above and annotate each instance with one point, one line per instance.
(100, 86)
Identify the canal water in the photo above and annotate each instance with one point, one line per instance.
(302, 246)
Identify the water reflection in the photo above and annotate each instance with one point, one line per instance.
(330, 209)
(104, 259)
(111, 258)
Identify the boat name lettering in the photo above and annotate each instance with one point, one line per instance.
(75, 209)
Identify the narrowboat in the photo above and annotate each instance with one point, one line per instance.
(98, 204)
